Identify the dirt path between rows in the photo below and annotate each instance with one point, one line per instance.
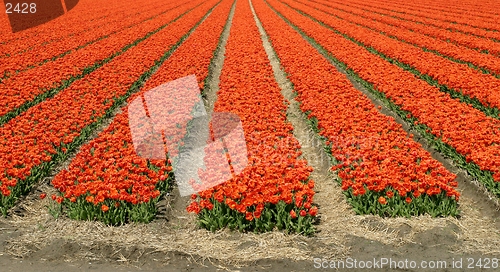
(32, 240)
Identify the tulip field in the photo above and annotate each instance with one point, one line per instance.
(402, 96)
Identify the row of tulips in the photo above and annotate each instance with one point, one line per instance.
(470, 11)
(423, 18)
(482, 8)
(35, 141)
(481, 16)
(108, 180)
(473, 42)
(392, 29)
(85, 8)
(27, 89)
(111, 33)
(457, 130)
(459, 6)
(460, 78)
(85, 17)
(382, 169)
(274, 190)
(84, 14)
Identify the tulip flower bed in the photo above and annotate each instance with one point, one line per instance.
(87, 17)
(446, 29)
(457, 130)
(476, 87)
(480, 17)
(60, 85)
(108, 180)
(429, 19)
(382, 170)
(47, 52)
(434, 20)
(274, 190)
(392, 28)
(38, 87)
(32, 143)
